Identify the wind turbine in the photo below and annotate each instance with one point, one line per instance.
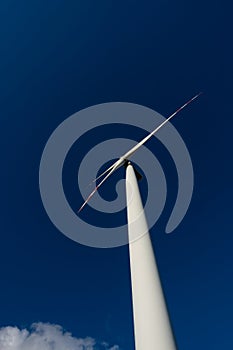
(152, 327)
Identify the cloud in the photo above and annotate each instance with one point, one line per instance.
(45, 336)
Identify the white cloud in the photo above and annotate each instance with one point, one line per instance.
(45, 336)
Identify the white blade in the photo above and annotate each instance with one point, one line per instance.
(114, 167)
(138, 145)
(102, 174)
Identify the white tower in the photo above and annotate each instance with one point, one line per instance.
(152, 329)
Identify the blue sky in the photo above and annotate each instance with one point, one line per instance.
(60, 57)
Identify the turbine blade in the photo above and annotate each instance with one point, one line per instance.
(139, 144)
(105, 172)
(96, 188)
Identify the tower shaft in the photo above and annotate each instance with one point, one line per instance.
(152, 329)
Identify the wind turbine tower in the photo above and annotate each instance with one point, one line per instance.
(152, 328)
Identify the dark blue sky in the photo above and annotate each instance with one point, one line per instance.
(59, 57)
